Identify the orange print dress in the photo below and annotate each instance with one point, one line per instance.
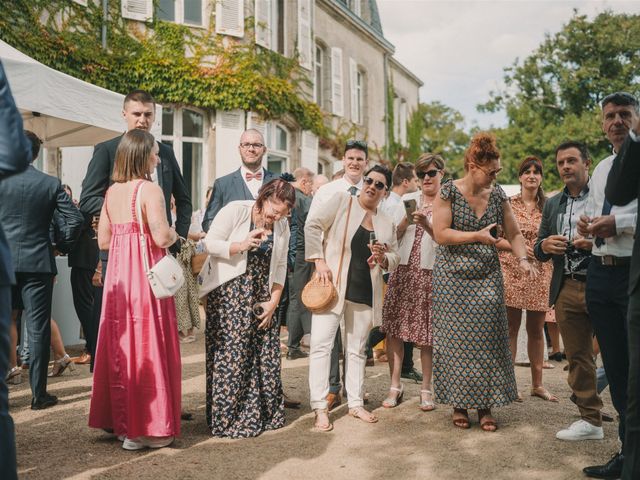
(519, 291)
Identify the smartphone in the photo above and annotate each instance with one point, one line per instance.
(410, 207)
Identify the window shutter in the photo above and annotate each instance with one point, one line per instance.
(230, 17)
(309, 151)
(353, 80)
(262, 16)
(229, 128)
(337, 100)
(137, 9)
(305, 45)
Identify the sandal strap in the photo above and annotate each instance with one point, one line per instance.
(426, 391)
(396, 389)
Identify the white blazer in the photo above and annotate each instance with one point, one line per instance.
(331, 220)
(427, 244)
(232, 224)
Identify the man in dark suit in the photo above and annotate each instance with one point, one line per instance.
(138, 112)
(623, 186)
(27, 206)
(613, 229)
(15, 155)
(244, 183)
(558, 240)
(298, 317)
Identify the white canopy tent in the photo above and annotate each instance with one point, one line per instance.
(63, 110)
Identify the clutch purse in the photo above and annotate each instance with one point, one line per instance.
(319, 298)
(165, 277)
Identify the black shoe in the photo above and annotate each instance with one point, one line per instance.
(46, 402)
(557, 357)
(295, 353)
(412, 374)
(611, 469)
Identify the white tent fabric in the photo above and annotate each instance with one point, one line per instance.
(63, 110)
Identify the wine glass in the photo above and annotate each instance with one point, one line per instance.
(560, 224)
(373, 239)
(590, 212)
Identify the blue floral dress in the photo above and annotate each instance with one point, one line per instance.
(244, 388)
(471, 357)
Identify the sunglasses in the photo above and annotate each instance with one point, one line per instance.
(492, 173)
(428, 173)
(370, 181)
(620, 98)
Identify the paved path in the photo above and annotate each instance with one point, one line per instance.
(405, 444)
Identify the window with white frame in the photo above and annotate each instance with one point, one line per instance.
(188, 12)
(355, 7)
(359, 97)
(318, 80)
(183, 129)
(278, 153)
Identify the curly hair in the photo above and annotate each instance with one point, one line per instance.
(482, 150)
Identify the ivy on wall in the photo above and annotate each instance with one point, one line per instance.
(174, 63)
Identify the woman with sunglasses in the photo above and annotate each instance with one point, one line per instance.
(519, 293)
(245, 274)
(370, 249)
(406, 315)
(472, 360)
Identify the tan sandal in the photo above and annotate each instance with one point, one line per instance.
(393, 401)
(322, 427)
(362, 414)
(427, 405)
(460, 418)
(487, 422)
(544, 394)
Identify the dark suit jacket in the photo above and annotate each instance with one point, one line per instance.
(623, 185)
(27, 205)
(548, 226)
(98, 179)
(15, 155)
(227, 189)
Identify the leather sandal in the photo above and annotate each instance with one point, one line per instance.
(544, 394)
(393, 401)
(322, 427)
(426, 405)
(362, 414)
(460, 418)
(487, 422)
(59, 366)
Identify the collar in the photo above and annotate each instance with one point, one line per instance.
(357, 185)
(585, 191)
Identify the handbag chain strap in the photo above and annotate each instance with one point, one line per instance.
(344, 242)
(143, 239)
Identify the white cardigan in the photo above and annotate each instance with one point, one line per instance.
(331, 220)
(232, 224)
(427, 244)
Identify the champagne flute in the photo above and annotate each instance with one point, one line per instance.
(560, 224)
(590, 213)
(373, 239)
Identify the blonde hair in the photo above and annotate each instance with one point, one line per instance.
(132, 156)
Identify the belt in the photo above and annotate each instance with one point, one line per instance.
(612, 260)
(579, 277)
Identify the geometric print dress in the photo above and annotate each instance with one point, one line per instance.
(243, 384)
(471, 357)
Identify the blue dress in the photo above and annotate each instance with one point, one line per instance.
(471, 357)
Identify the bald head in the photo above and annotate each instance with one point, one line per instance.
(303, 180)
(252, 149)
(318, 181)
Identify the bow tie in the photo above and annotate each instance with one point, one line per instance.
(250, 176)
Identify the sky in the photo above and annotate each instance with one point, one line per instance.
(460, 48)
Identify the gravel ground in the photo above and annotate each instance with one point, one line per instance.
(407, 443)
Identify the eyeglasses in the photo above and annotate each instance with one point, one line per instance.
(492, 173)
(428, 173)
(620, 98)
(376, 183)
(247, 146)
(275, 213)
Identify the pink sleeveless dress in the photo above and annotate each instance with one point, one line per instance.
(137, 373)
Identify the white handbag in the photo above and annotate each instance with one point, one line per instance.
(165, 277)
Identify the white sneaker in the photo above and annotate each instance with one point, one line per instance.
(581, 430)
(132, 444)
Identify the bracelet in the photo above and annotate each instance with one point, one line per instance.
(520, 259)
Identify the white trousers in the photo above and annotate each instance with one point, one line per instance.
(358, 319)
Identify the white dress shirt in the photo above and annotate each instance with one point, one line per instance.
(254, 184)
(393, 207)
(622, 244)
(327, 191)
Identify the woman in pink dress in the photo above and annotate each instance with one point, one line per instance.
(137, 374)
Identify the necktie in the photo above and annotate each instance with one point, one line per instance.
(250, 176)
(353, 190)
(606, 210)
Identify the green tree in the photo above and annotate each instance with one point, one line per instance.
(553, 95)
(437, 128)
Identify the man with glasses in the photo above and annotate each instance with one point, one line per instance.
(622, 188)
(355, 162)
(558, 240)
(244, 183)
(613, 229)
